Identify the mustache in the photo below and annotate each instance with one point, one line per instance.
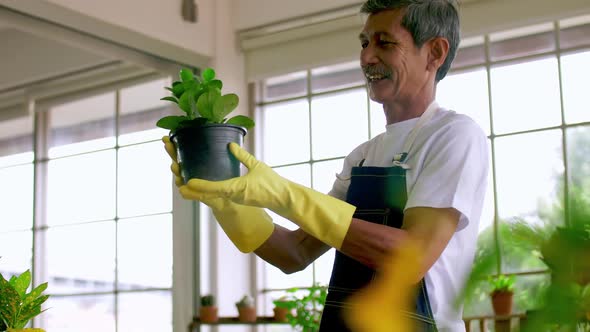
(376, 71)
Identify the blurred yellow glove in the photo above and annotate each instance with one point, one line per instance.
(247, 227)
(324, 217)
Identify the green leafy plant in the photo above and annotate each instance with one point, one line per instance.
(502, 283)
(245, 302)
(285, 301)
(308, 307)
(207, 300)
(200, 98)
(17, 307)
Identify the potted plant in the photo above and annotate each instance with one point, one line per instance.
(246, 309)
(17, 307)
(502, 293)
(202, 134)
(208, 309)
(283, 308)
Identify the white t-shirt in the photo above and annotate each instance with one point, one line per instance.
(448, 168)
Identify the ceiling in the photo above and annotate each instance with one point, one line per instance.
(45, 61)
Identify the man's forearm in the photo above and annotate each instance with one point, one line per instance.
(290, 251)
(371, 243)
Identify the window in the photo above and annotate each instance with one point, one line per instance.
(101, 231)
(525, 88)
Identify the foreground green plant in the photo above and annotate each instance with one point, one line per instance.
(201, 100)
(17, 307)
(308, 307)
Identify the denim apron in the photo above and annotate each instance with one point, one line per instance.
(379, 194)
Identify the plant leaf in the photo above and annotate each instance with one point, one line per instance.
(186, 75)
(208, 74)
(170, 122)
(206, 103)
(223, 106)
(184, 102)
(177, 89)
(21, 283)
(9, 301)
(216, 84)
(172, 99)
(35, 293)
(241, 120)
(30, 310)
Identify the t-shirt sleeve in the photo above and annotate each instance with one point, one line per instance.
(342, 179)
(454, 172)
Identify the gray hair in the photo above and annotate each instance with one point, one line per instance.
(425, 19)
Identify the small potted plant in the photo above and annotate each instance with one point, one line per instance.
(203, 133)
(208, 309)
(283, 308)
(17, 307)
(246, 309)
(502, 294)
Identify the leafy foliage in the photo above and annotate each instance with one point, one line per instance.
(245, 302)
(207, 300)
(502, 283)
(17, 307)
(201, 100)
(308, 307)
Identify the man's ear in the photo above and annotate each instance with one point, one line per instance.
(439, 49)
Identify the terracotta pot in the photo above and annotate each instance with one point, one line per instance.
(208, 314)
(502, 303)
(280, 314)
(247, 314)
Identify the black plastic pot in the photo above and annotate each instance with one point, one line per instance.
(203, 151)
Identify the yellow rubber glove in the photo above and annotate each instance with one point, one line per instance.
(384, 304)
(247, 227)
(324, 217)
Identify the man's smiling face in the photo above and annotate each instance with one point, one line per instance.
(395, 69)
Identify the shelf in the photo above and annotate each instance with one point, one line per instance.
(235, 321)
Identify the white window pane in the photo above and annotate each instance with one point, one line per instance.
(526, 96)
(146, 260)
(578, 160)
(286, 132)
(15, 159)
(144, 96)
(466, 93)
(143, 136)
(528, 168)
(487, 213)
(141, 108)
(16, 252)
(16, 140)
(145, 312)
(324, 174)
(17, 192)
(81, 258)
(378, 121)
(337, 76)
(339, 123)
(83, 125)
(300, 174)
(285, 86)
(145, 181)
(81, 188)
(276, 278)
(323, 267)
(575, 70)
(92, 313)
